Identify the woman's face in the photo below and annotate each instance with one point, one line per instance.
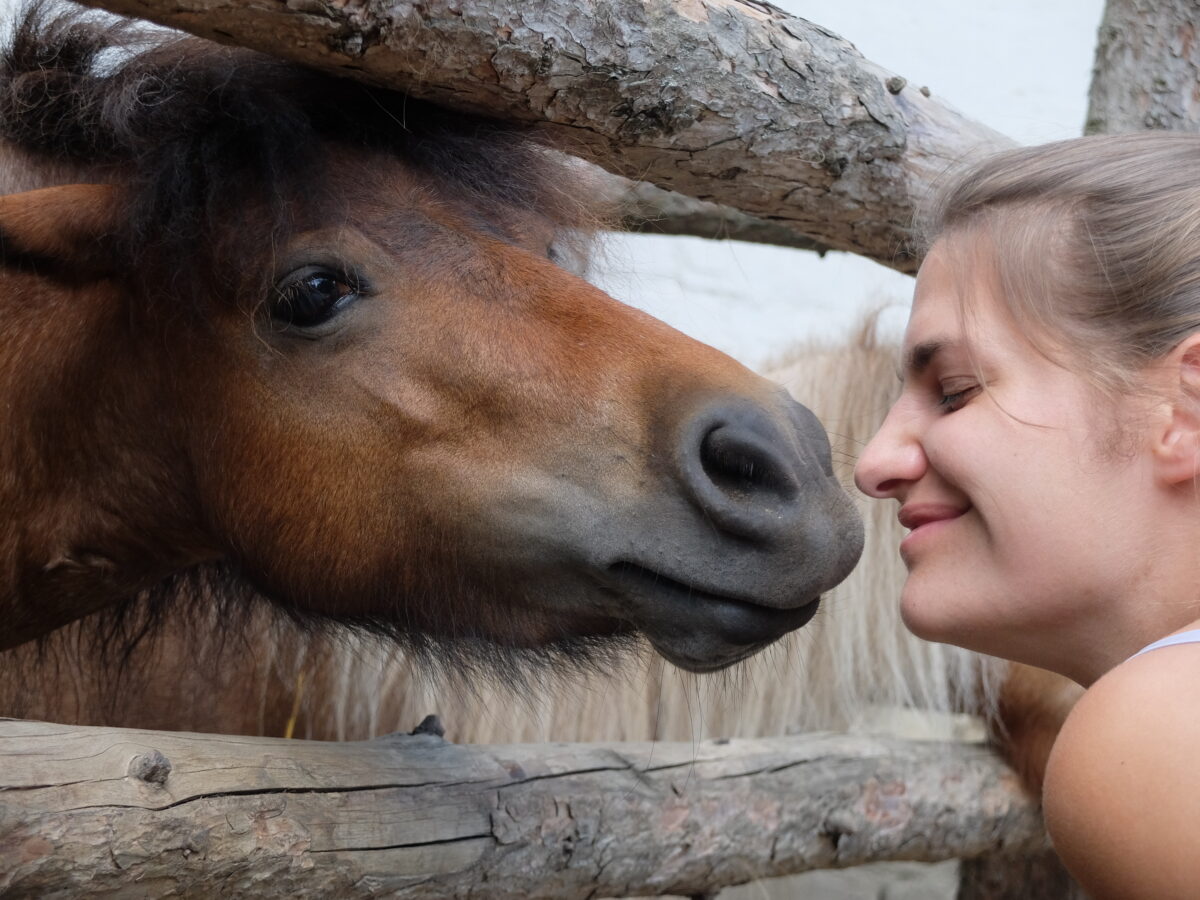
(1025, 519)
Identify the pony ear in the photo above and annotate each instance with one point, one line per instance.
(67, 229)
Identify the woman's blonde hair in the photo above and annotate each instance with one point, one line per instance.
(1095, 243)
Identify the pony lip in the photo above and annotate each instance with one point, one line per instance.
(697, 629)
(915, 515)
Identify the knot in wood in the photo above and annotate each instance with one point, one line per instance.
(152, 768)
(430, 725)
(840, 823)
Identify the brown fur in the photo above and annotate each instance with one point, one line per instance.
(1033, 705)
(476, 454)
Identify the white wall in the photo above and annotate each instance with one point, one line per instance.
(1020, 66)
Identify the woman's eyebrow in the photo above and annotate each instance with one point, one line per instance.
(918, 357)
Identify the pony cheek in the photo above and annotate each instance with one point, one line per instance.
(312, 553)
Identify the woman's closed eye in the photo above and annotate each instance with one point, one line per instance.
(954, 397)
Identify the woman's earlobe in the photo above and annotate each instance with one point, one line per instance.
(1177, 442)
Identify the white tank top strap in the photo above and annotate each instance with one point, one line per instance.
(1184, 637)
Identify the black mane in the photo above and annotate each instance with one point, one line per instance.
(188, 124)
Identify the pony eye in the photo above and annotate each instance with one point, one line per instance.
(311, 296)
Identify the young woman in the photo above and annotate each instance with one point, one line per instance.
(1045, 454)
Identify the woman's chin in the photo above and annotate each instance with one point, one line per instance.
(928, 618)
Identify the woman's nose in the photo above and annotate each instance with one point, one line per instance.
(892, 459)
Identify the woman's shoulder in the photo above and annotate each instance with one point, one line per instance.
(1122, 796)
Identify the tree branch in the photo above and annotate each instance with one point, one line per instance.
(642, 207)
(1147, 67)
(103, 809)
(729, 101)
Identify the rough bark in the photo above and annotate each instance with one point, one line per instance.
(111, 811)
(642, 207)
(729, 101)
(1147, 70)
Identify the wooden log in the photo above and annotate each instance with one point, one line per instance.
(1147, 68)
(730, 101)
(642, 207)
(115, 811)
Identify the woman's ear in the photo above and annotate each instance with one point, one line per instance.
(67, 230)
(1177, 434)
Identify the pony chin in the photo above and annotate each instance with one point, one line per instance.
(470, 661)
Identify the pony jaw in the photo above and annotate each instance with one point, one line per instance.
(698, 630)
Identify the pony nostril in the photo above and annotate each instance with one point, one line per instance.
(743, 470)
(735, 463)
(744, 458)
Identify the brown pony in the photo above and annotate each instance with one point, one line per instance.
(271, 337)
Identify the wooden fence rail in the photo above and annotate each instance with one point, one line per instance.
(116, 811)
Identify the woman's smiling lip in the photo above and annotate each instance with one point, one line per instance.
(923, 519)
(916, 515)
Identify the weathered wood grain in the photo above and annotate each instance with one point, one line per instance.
(729, 101)
(115, 811)
(642, 207)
